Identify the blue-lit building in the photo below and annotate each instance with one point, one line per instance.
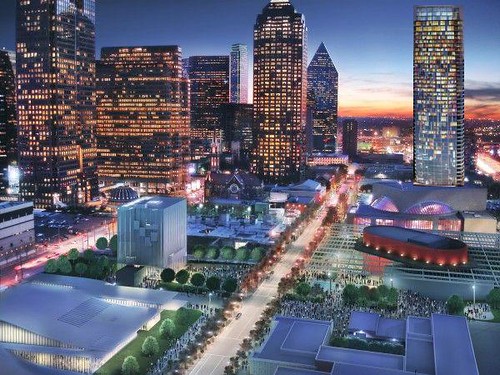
(438, 96)
(238, 74)
(152, 232)
(322, 102)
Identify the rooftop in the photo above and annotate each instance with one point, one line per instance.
(152, 203)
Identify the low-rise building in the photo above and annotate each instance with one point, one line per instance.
(17, 228)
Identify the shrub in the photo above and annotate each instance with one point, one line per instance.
(383, 291)
(64, 265)
(213, 283)
(182, 277)
(199, 253)
(230, 285)
(130, 366)
(150, 346)
(198, 279)
(73, 254)
(493, 298)
(256, 254)
(89, 255)
(455, 305)
(102, 243)
(113, 244)
(373, 294)
(227, 253)
(167, 328)
(212, 253)
(303, 289)
(51, 266)
(350, 294)
(167, 275)
(80, 268)
(242, 254)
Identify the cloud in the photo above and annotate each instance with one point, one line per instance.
(483, 91)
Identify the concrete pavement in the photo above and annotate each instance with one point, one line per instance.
(216, 357)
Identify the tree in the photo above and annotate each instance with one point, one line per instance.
(51, 266)
(80, 268)
(64, 265)
(350, 294)
(199, 253)
(392, 297)
(89, 255)
(96, 270)
(455, 305)
(212, 253)
(242, 254)
(167, 328)
(102, 243)
(182, 316)
(213, 283)
(150, 346)
(493, 298)
(130, 366)
(182, 276)
(230, 285)
(256, 254)
(303, 289)
(197, 279)
(73, 254)
(227, 253)
(373, 294)
(167, 275)
(113, 244)
(383, 290)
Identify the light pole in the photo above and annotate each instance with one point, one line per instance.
(474, 294)
(209, 301)
(392, 283)
(330, 279)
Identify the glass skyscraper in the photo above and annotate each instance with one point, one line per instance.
(280, 93)
(438, 96)
(322, 87)
(56, 101)
(238, 74)
(8, 132)
(350, 137)
(143, 118)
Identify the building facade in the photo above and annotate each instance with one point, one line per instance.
(8, 132)
(238, 74)
(152, 232)
(280, 93)
(322, 93)
(438, 96)
(350, 137)
(238, 132)
(209, 84)
(143, 118)
(56, 101)
(17, 230)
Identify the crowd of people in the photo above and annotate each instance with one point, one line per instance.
(478, 311)
(237, 272)
(342, 279)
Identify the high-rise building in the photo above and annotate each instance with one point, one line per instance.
(56, 101)
(143, 118)
(8, 132)
(438, 96)
(280, 93)
(209, 83)
(322, 87)
(350, 137)
(238, 74)
(470, 149)
(237, 131)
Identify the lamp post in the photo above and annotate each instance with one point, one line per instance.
(330, 279)
(209, 301)
(392, 283)
(474, 293)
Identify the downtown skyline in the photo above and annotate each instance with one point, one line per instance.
(370, 43)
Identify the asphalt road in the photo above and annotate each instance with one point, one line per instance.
(216, 357)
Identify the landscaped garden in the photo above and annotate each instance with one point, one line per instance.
(201, 252)
(368, 345)
(137, 356)
(382, 296)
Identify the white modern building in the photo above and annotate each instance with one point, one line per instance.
(69, 324)
(17, 229)
(152, 231)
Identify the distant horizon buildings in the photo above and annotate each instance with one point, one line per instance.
(56, 102)
(238, 74)
(143, 119)
(280, 93)
(322, 86)
(438, 96)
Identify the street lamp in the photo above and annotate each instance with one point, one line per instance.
(392, 284)
(209, 301)
(330, 279)
(474, 294)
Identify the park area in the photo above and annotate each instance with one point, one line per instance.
(150, 345)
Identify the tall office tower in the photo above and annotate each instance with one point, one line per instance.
(470, 149)
(438, 96)
(280, 93)
(8, 132)
(238, 74)
(350, 138)
(56, 101)
(237, 131)
(143, 118)
(209, 83)
(322, 87)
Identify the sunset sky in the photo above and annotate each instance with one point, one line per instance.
(370, 42)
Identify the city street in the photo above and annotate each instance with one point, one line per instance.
(216, 358)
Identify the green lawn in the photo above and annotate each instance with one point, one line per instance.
(113, 366)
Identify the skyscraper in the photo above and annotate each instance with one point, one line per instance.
(56, 101)
(143, 118)
(322, 88)
(238, 74)
(8, 132)
(209, 83)
(350, 138)
(438, 96)
(280, 93)
(237, 129)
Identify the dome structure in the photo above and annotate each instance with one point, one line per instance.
(430, 208)
(123, 194)
(385, 204)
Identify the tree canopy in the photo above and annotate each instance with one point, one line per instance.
(167, 275)
(182, 276)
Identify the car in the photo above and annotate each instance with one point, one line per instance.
(238, 315)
